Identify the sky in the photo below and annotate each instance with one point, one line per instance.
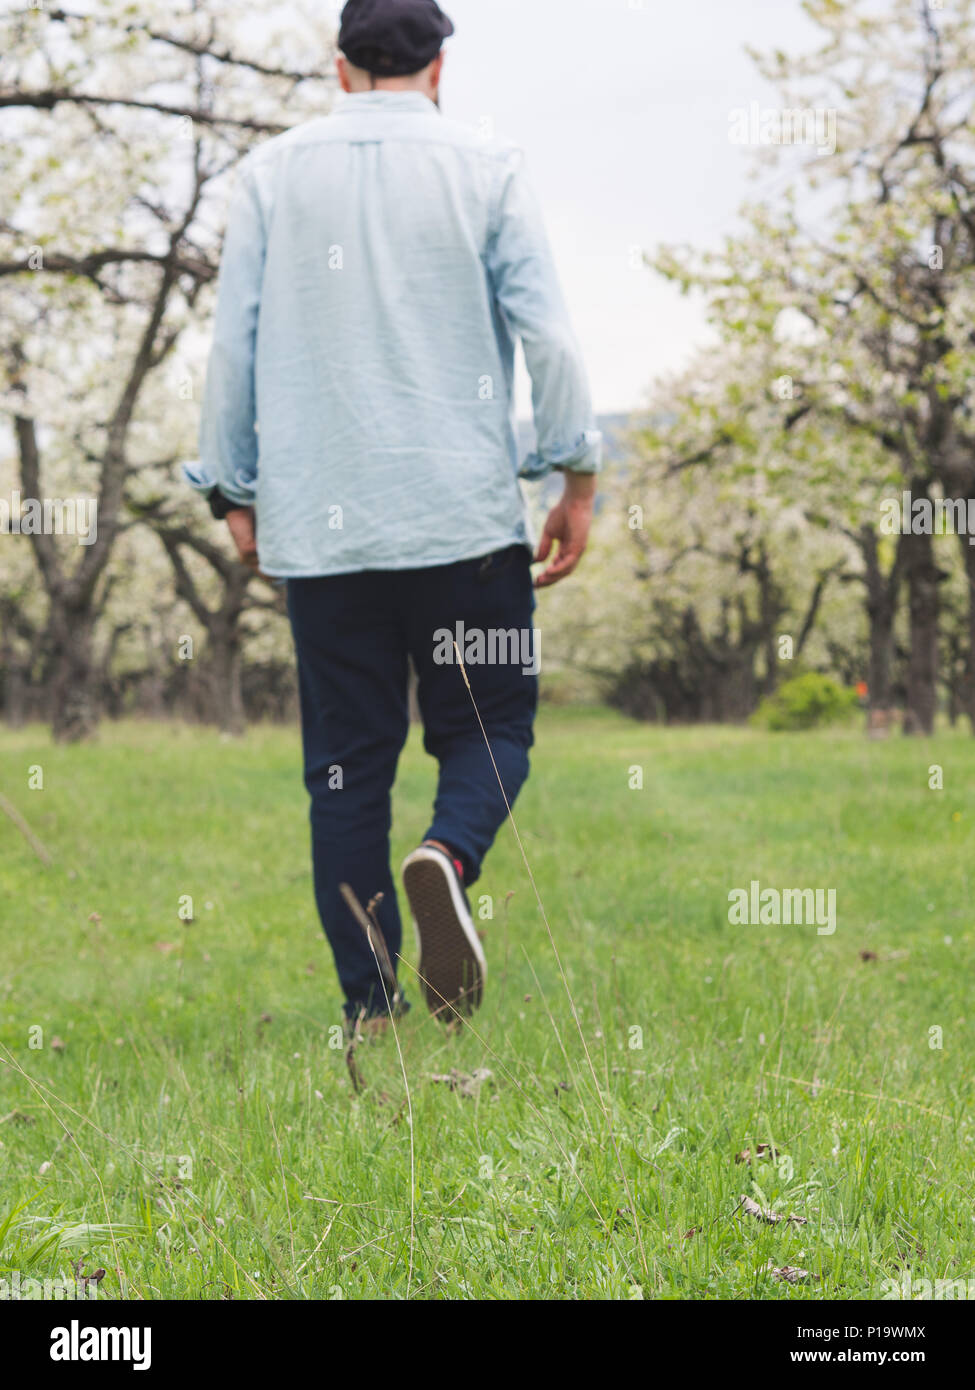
(622, 108)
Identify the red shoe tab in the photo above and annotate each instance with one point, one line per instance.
(435, 844)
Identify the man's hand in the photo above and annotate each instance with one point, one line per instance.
(568, 523)
(244, 531)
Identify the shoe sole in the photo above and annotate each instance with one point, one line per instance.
(453, 969)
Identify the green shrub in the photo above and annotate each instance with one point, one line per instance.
(806, 702)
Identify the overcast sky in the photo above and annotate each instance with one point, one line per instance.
(623, 111)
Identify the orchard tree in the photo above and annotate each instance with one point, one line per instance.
(869, 297)
(122, 125)
(704, 585)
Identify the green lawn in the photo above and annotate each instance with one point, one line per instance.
(190, 1125)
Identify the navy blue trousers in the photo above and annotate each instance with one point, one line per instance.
(353, 636)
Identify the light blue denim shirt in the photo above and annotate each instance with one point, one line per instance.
(379, 264)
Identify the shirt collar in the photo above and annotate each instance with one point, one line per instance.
(354, 102)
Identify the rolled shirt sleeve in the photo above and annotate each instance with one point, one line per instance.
(228, 425)
(526, 286)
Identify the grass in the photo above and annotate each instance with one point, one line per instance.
(189, 1123)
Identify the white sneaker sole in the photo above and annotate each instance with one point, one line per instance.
(453, 968)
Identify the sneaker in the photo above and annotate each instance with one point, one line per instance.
(452, 964)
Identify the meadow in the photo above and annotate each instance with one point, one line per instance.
(176, 1106)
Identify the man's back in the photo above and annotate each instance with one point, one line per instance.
(378, 267)
(379, 264)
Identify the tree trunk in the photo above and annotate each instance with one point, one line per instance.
(12, 677)
(881, 656)
(882, 596)
(221, 677)
(968, 551)
(70, 679)
(923, 580)
(14, 694)
(223, 673)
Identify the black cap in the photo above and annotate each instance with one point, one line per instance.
(393, 38)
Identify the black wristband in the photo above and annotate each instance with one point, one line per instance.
(220, 505)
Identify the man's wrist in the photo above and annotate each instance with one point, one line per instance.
(579, 487)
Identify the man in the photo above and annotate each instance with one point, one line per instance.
(357, 436)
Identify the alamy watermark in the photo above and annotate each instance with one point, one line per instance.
(756, 906)
(926, 516)
(50, 516)
(771, 125)
(928, 1290)
(493, 646)
(15, 1288)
